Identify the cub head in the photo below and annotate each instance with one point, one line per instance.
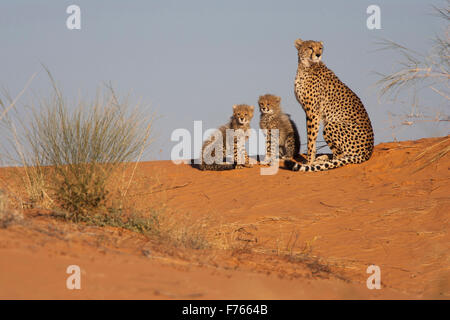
(243, 113)
(269, 104)
(309, 51)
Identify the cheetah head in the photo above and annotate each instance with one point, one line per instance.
(269, 104)
(309, 52)
(243, 113)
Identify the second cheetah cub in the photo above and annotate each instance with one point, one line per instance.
(272, 117)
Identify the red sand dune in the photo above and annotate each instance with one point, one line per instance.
(287, 236)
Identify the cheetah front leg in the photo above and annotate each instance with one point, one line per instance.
(331, 137)
(312, 124)
(273, 151)
(247, 160)
(321, 159)
(270, 148)
(269, 144)
(239, 150)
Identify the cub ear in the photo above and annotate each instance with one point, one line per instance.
(252, 108)
(234, 107)
(298, 43)
(278, 99)
(321, 42)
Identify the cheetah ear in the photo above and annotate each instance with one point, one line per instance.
(278, 99)
(252, 108)
(321, 42)
(234, 107)
(298, 43)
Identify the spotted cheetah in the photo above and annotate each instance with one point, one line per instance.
(346, 124)
(239, 125)
(272, 117)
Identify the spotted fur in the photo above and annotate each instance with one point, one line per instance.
(346, 124)
(240, 122)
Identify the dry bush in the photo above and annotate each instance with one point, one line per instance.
(185, 231)
(430, 70)
(418, 70)
(145, 223)
(69, 152)
(8, 216)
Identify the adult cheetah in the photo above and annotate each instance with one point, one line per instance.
(346, 124)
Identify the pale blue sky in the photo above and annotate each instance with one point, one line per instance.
(192, 60)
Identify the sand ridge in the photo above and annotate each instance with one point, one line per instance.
(287, 236)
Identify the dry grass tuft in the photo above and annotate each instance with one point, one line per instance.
(144, 223)
(68, 153)
(443, 148)
(416, 71)
(185, 231)
(432, 69)
(7, 215)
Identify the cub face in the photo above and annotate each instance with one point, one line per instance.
(243, 113)
(309, 51)
(269, 104)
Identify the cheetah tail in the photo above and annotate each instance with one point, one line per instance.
(216, 167)
(323, 166)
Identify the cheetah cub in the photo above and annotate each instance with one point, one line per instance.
(272, 117)
(217, 142)
(346, 124)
